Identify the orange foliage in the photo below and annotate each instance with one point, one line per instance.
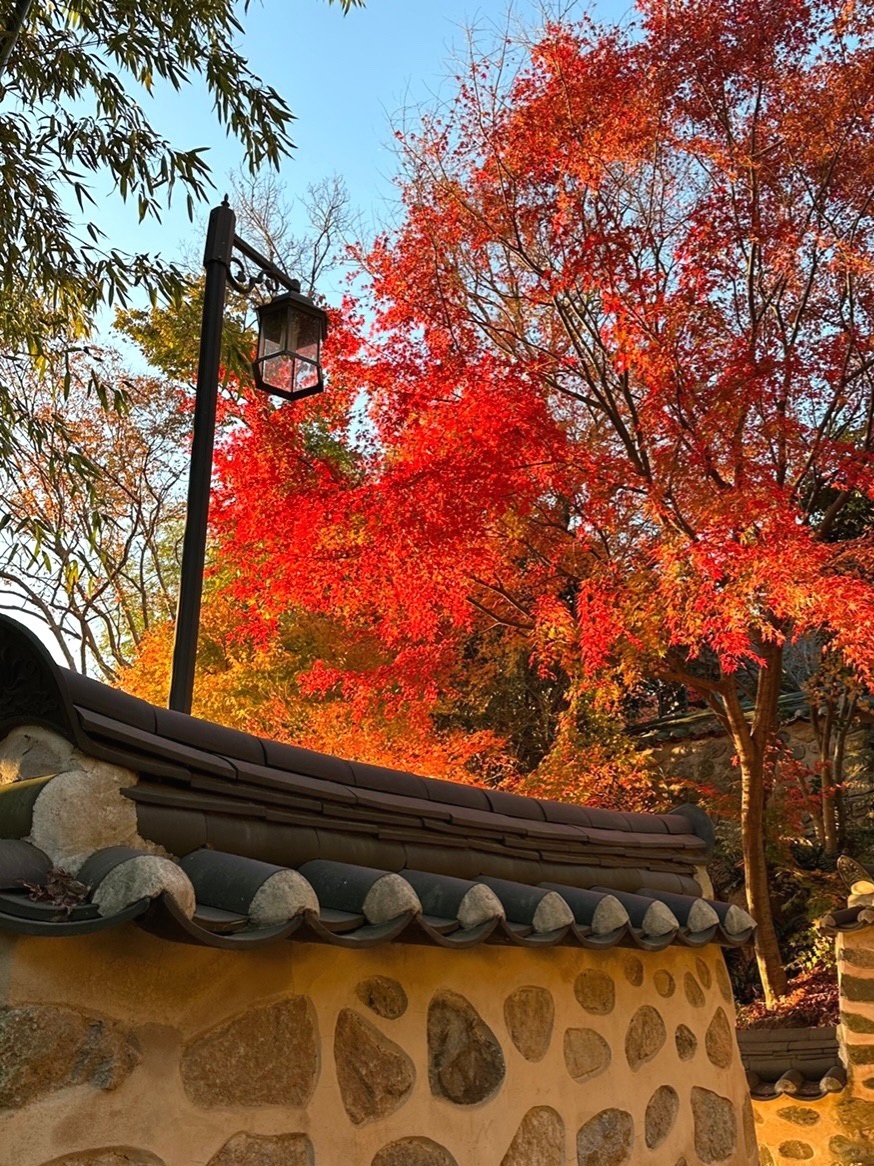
(618, 384)
(256, 689)
(619, 376)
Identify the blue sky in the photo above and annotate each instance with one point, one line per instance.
(345, 77)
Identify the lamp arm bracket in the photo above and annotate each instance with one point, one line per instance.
(268, 274)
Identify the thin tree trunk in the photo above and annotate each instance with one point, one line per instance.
(827, 779)
(841, 817)
(831, 733)
(751, 745)
(831, 839)
(847, 717)
(831, 842)
(815, 802)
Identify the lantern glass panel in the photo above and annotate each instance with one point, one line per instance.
(290, 373)
(307, 339)
(272, 327)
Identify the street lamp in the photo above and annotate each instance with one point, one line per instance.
(291, 329)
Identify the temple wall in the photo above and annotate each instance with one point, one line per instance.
(836, 1130)
(119, 1048)
(818, 1130)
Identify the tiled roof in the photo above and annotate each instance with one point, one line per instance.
(792, 706)
(357, 854)
(354, 906)
(783, 1063)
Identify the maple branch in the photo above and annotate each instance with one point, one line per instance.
(826, 420)
(676, 674)
(501, 591)
(831, 515)
(605, 399)
(500, 621)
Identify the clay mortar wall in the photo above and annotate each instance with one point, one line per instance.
(822, 1130)
(119, 1048)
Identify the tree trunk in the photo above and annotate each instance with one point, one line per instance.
(751, 745)
(831, 731)
(812, 799)
(831, 840)
(827, 778)
(841, 814)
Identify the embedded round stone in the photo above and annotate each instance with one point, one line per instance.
(855, 1022)
(719, 1040)
(703, 972)
(664, 983)
(633, 969)
(766, 1158)
(860, 956)
(30, 751)
(529, 1014)
(851, 1153)
(856, 1114)
(661, 1113)
(596, 992)
(606, 1140)
(857, 989)
(686, 1042)
(108, 1156)
(413, 1152)
(539, 1141)
(46, 1047)
(374, 1074)
(715, 1125)
(383, 996)
(723, 980)
(265, 1150)
(645, 1036)
(799, 1115)
(586, 1053)
(465, 1060)
(693, 991)
(796, 1151)
(266, 1056)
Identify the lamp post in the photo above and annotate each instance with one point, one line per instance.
(288, 365)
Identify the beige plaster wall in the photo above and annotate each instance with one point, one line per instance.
(790, 1130)
(102, 1045)
(836, 1130)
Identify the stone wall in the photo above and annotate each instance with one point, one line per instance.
(122, 1049)
(825, 1131)
(707, 761)
(836, 1130)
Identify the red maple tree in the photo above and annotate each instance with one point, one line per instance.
(618, 380)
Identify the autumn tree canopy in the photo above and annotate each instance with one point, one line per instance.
(618, 380)
(94, 558)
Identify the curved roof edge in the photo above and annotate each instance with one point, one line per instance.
(205, 784)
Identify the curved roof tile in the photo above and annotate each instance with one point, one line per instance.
(363, 854)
